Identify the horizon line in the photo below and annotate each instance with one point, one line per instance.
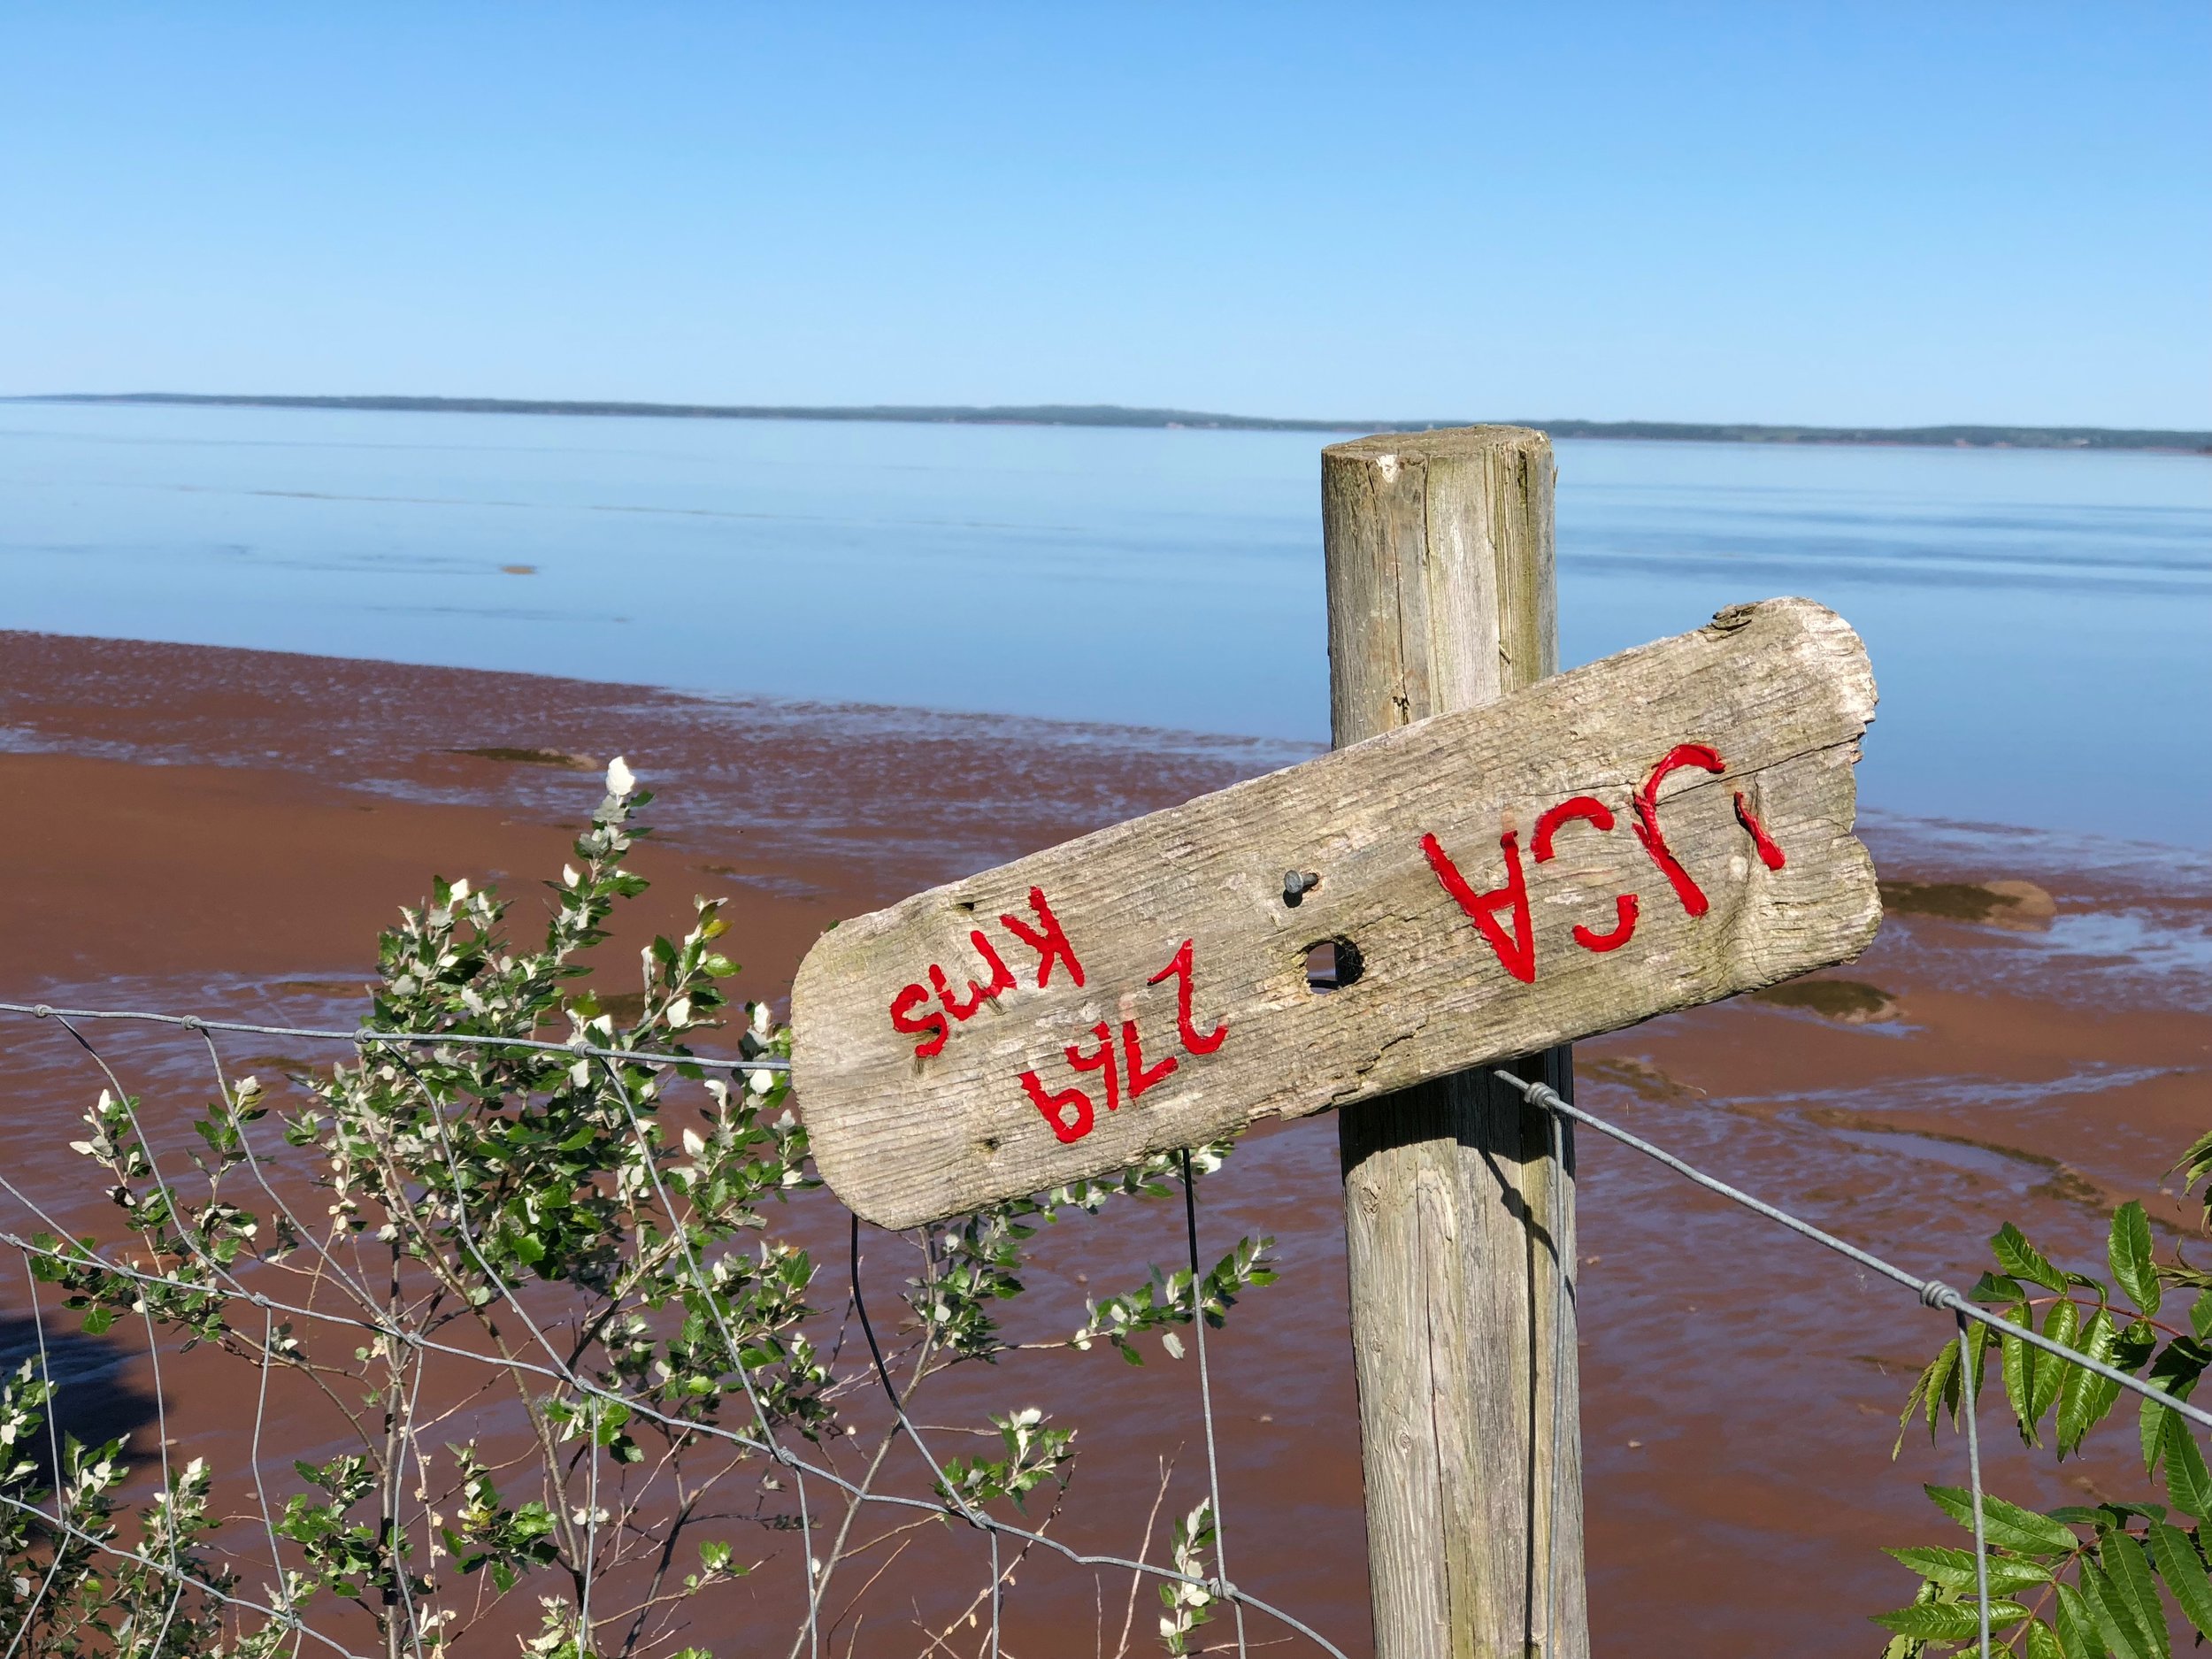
(1958, 435)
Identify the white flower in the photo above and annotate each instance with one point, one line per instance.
(620, 781)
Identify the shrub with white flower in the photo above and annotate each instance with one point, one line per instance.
(594, 1239)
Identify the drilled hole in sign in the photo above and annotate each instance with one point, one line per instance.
(1332, 964)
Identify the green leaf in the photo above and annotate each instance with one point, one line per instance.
(2005, 1525)
(1947, 1621)
(1978, 1337)
(1928, 1392)
(2130, 1253)
(2178, 1367)
(2061, 1325)
(2200, 1316)
(2112, 1618)
(2039, 1642)
(2128, 1571)
(2077, 1632)
(2188, 1483)
(2183, 1569)
(1953, 1569)
(2018, 1361)
(2175, 1372)
(2196, 1160)
(2084, 1397)
(2132, 1347)
(2022, 1260)
(2152, 1427)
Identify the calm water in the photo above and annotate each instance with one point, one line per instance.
(2040, 623)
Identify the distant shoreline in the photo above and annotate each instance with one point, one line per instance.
(1964, 437)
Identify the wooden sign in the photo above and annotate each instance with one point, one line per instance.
(1667, 827)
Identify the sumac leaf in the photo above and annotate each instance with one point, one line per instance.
(1953, 1569)
(1947, 1621)
(2196, 1161)
(2061, 1325)
(2005, 1525)
(2113, 1620)
(1927, 1392)
(2188, 1483)
(2077, 1623)
(2130, 1253)
(2018, 1363)
(2183, 1569)
(2128, 1571)
(2022, 1260)
(2084, 1397)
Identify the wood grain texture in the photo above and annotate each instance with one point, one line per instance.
(1782, 689)
(1441, 573)
(1457, 1213)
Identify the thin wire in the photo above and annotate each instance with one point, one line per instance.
(457, 1038)
(682, 1235)
(260, 1486)
(53, 1443)
(591, 1529)
(126, 1101)
(1206, 1389)
(1934, 1292)
(261, 1178)
(973, 1515)
(1563, 1260)
(736, 1436)
(997, 1584)
(410, 1444)
(1972, 1373)
(561, 1368)
(168, 1481)
(984, 1519)
(110, 1547)
(224, 1287)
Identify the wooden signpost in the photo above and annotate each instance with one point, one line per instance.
(1667, 827)
(1499, 863)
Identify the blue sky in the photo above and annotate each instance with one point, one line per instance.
(1777, 211)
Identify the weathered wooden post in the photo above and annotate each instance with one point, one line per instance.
(1441, 597)
(1671, 826)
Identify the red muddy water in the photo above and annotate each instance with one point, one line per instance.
(223, 831)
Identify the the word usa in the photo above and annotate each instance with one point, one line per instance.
(1667, 827)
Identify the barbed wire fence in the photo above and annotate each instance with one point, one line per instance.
(221, 1286)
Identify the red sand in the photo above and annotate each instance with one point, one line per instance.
(226, 831)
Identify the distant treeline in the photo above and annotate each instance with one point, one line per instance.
(1116, 415)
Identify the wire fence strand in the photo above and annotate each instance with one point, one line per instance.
(222, 1284)
(409, 1348)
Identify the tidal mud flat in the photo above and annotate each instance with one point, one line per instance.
(223, 831)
